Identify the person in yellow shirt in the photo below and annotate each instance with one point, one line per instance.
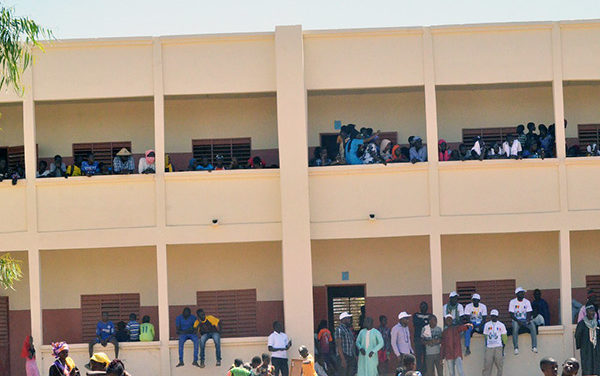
(146, 330)
(308, 362)
(208, 326)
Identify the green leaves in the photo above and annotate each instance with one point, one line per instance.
(10, 271)
(18, 37)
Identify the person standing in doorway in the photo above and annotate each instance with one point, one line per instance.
(495, 339)
(278, 345)
(344, 343)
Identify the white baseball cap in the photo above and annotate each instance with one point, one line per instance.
(402, 315)
(494, 312)
(476, 296)
(519, 289)
(453, 294)
(344, 315)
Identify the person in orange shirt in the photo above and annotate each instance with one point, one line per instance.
(324, 339)
(308, 362)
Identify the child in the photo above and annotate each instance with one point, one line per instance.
(133, 328)
(478, 149)
(255, 364)
(512, 148)
(409, 363)
(146, 330)
(321, 366)
(451, 348)
(324, 339)
(121, 333)
(266, 368)
(308, 362)
(432, 338)
(549, 366)
(237, 369)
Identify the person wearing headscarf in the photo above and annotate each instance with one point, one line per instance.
(586, 340)
(116, 368)
(385, 149)
(63, 365)
(28, 353)
(146, 164)
(444, 153)
(98, 363)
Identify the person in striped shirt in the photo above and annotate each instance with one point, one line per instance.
(133, 328)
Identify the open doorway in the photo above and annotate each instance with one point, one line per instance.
(349, 298)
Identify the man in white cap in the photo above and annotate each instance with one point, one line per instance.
(345, 345)
(495, 338)
(401, 337)
(520, 312)
(477, 313)
(123, 162)
(454, 308)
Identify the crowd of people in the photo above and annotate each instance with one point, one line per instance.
(203, 164)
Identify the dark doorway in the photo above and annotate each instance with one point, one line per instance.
(345, 299)
(4, 346)
(4, 154)
(329, 141)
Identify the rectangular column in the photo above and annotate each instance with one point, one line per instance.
(557, 92)
(163, 308)
(437, 288)
(565, 291)
(35, 299)
(293, 159)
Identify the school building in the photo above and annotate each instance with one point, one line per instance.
(295, 243)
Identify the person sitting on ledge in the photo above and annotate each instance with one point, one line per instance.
(90, 166)
(105, 334)
(123, 162)
(204, 165)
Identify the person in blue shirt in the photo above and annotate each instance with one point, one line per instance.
(184, 324)
(91, 166)
(105, 334)
(133, 328)
(204, 165)
(541, 305)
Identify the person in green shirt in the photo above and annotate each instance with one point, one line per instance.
(146, 330)
(237, 369)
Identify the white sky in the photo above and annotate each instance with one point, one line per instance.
(121, 18)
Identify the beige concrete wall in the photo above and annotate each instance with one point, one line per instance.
(492, 54)
(375, 191)
(391, 110)
(530, 258)
(18, 298)
(580, 51)
(11, 124)
(191, 118)
(100, 202)
(223, 64)
(68, 274)
(585, 258)
(389, 266)
(352, 60)
(228, 266)
(491, 106)
(498, 187)
(69, 70)
(61, 124)
(13, 205)
(258, 192)
(581, 175)
(582, 104)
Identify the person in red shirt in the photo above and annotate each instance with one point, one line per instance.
(451, 348)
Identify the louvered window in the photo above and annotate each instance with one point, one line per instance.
(495, 294)
(235, 308)
(588, 134)
(489, 135)
(118, 306)
(104, 152)
(351, 305)
(592, 282)
(239, 148)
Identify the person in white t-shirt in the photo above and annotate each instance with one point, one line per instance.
(454, 308)
(278, 344)
(512, 148)
(495, 339)
(478, 149)
(520, 312)
(476, 312)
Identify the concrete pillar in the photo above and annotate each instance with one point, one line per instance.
(430, 99)
(293, 159)
(437, 288)
(163, 308)
(565, 291)
(557, 92)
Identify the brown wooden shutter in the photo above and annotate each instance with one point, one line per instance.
(16, 156)
(4, 337)
(104, 152)
(592, 282)
(118, 306)
(235, 308)
(392, 136)
(489, 135)
(588, 134)
(240, 148)
(495, 294)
